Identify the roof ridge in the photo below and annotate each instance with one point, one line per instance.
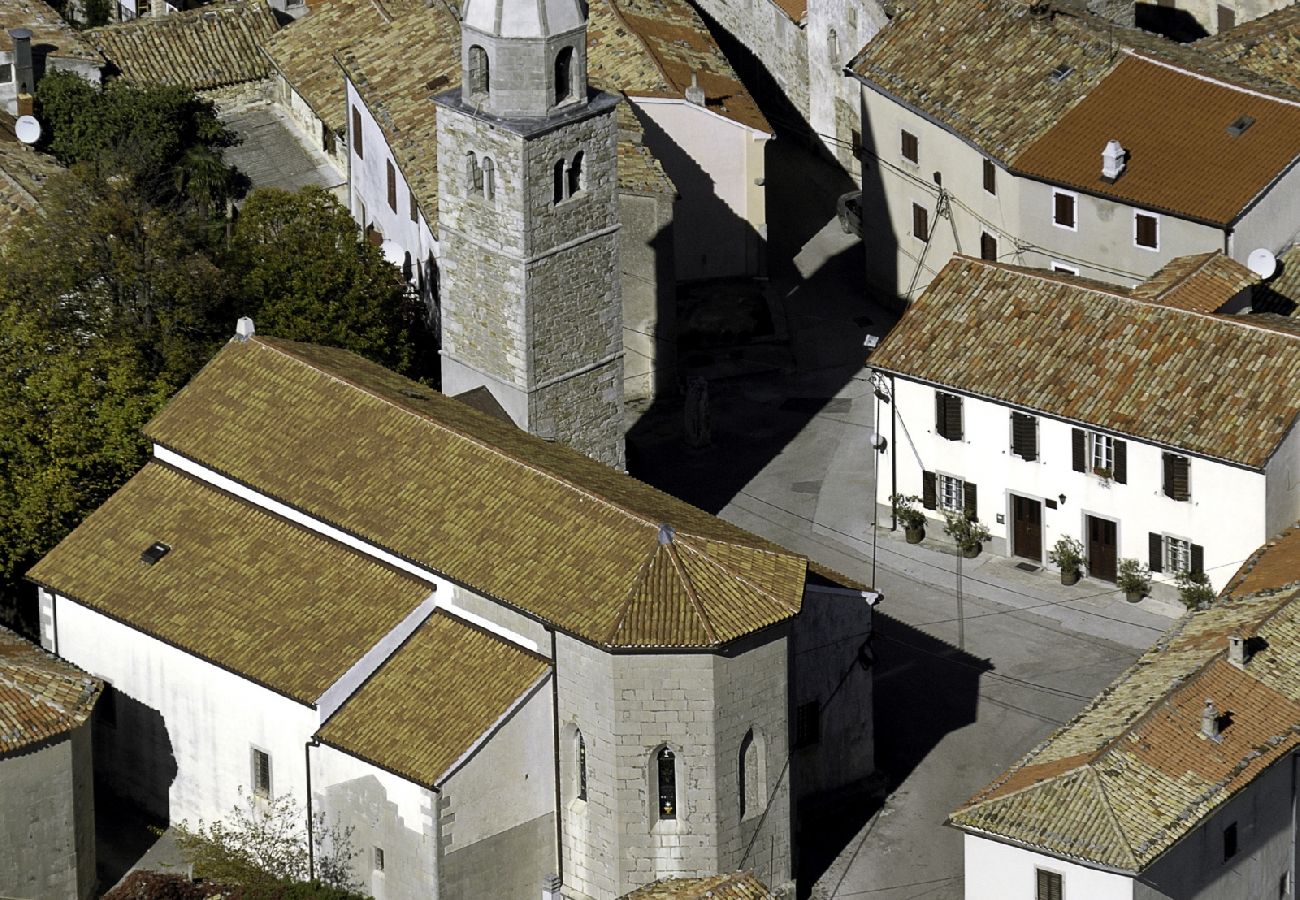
(642, 575)
(1115, 822)
(671, 549)
(1149, 56)
(645, 45)
(1182, 279)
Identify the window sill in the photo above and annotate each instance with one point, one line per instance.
(668, 826)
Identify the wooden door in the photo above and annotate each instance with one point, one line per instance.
(1027, 528)
(1102, 549)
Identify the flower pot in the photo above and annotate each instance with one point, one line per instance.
(914, 535)
(1069, 576)
(1134, 596)
(972, 551)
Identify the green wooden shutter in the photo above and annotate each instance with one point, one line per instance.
(929, 490)
(1155, 552)
(1121, 462)
(1080, 449)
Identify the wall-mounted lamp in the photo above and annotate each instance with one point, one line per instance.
(1062, 499)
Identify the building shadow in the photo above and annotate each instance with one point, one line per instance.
(1175, 24)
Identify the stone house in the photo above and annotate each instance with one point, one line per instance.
(1213, 17)
(1177, 781)
(497, 659)
(1052, 406)
(23, 173)
(1103, 151)
(34, 39)
(1268, 45)
(47, 795)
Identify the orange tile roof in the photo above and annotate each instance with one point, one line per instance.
(240, 587)
(431, 701)
(1202, 282)
(1131, 775)
(41, 696)
(1099, 356)
(533, 524)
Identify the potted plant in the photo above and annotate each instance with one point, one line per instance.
(1102, 472)
(1194, 590)
(969, 534)
(1134, 579)
(911, 518)
(1067, 553)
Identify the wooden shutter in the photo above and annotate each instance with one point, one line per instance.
(911, 147)
(356, 134)
(1023, 436)
(970, 500)
(1227, 18)
(929, 490)
(392, 185)
(1198, 558)
(1049, 885)
(1145, 233)
(1121, 462)
(1080, 448)
(988, 247)
(953, 415)
(920, 222)
(990, 177)
(1155, 552)
(1178, 466)
(1064, 212)
(941, 414)
(415, 208)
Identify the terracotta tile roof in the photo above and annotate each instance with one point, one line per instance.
(1099, 356)
(48, 28)
(795, 10)
(1045, 100)
(1131, 775)
(429, 704)
(23, 172)
(239, 587)
(1269, 45)
(1201, 282)
(535, 525)
(737, 886)
(304, 52)
(41, 696)
(200, 49)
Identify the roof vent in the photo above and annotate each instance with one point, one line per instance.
(666, 534)
(244, 328)
(695, 93)
(1060, 73)
(1240, 124)
(1210, 721)
(1237, 650)
(154, 552)
(1113, 160)
(1040, 14)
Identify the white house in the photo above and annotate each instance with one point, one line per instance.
(498, 660)
(34, 39)
(1143, 422)
(1104, 151)
(1177, 781)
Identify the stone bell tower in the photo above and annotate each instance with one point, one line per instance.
(528, 223)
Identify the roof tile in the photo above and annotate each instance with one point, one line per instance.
(41, 696)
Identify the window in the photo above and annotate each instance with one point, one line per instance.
(990, 177)
(952, 493)
(920, 222)
(911, 147)
(1230, 841)
(6, 73)
(415, 208)
(1227, 17)
(1178, 555)
(947, 416)
(473, 174)
(563, 75)
(1283, 886)
(1176, 469)
(1100, 454)
(1049, 885)
(489, 178)
(808, 724)
(1166, 553)
(559, 181)
(357, 145)
(1063, 210)
(851, 16)
(988, 247)
(379, 859)
(666, 770)
(582, 767)
(479, 76)
(753, 775)
(833, 46)
(1146, 231)
(261, 763)
(392, 184)
(1063, 269)
(1024, 436)
(576, 181)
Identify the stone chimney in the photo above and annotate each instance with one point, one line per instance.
(1237, 650)
(24, 72)
(244, 329)
(1210, 721)
(157, 8)
(695, 93)
(1040, 15)
(551, 887)
(1113, 160)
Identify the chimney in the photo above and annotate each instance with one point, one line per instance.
(1040, 15)
(1113, 160)
(1210, 721)
(1237, 650)
(24, 73)
(244, 329)
(695, 93)
(551, 887)
(157, 8)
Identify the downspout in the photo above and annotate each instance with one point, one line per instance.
(555, 734)
(54, 619)
(893, 452)
(311, 837)
(1227, 242)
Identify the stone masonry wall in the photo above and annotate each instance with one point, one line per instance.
(581, 318)
(779, 43)
(584, 412)
(595, 206)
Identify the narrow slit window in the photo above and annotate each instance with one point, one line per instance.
(990, 177)
(910, 147)
(920, 222)
(563, 75)
(582, 767)
(261, 762)
(489, 178)
(391, 173)
(358, 146)
(479, 74)
(666, 770)
(559, 181)
(575, 174)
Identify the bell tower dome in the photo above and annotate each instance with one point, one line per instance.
(523, 59)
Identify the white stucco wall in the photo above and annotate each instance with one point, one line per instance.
(997, 871)
(833, 102)
(9, 89)
(1273, 222)
(307, 121)
(1219, 492)
(1282, 490)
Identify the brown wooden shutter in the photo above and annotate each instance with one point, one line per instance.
(1145, 230)
(988, 247)
(954, 418)
(1198, 558)
(929, 490)
(1064, 210)
(920, 222)
(911, 147)
(1080, 441)
(1121, 462)
(941, 414)
(1155, 552)
(415, 208)
(969, 500)
(1049, 885)
(1023, 436)
(990, 177)
(1179, 480)
(392, 185)
(1227, 18)
(356, 134)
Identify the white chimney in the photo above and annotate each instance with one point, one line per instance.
(1237, 650)
(158, 8)
(551, 887)
(1113, 159)
(695, 93)
(1209, 721)
(244, 328)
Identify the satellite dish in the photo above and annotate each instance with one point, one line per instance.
(1262, 262)
(27, 129)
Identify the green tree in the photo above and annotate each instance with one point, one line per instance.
(305, 273)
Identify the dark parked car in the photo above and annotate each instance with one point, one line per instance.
(849, 209)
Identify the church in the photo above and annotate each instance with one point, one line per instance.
(505, 665)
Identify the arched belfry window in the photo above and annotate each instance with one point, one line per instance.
(582, 767)
(479, 76)
(832, 45)
(473, 174)
(666, 778)
(559, 180)
(575, 174)
(563, 75)
(489, 178)
(753, 775)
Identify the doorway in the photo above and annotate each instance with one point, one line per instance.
(1027, 528)
(1102, 548)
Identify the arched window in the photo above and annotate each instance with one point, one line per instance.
(582, 767)
(473, 174)
(559, 180)
(489, 178)
(753, 775)
(575, 174)
(666, 778)
(833, 45)
(479, 76)
(563, 75)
